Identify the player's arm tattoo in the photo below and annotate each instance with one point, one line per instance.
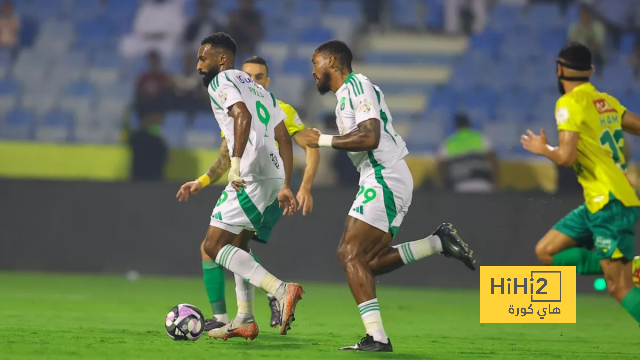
(286, 150)
(222, 163)
(241, 127)
(365, 137)
(312, 159)
(631, 123)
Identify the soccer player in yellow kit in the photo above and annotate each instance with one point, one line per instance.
(213, 273)
(591, 126)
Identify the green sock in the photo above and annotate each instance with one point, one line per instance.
(631, 303)
(214, 284)
(585, 261)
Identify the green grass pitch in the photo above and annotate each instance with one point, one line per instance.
(46, 316)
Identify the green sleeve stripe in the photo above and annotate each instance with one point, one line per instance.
(275, 103)
(359, 84)
(234, 84)
(389, 201)
(217, 79)
(623, 114)
(383, 116)
(250, 209)
(215, 102)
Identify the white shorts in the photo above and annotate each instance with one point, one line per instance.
(236, 211)
(384, 197)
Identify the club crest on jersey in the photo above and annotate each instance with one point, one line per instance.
(274, 160)
(603, 106)
(223, 97)
(562, 115)
(365, 105)
(343, 101)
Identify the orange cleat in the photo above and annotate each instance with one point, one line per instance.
(236, 329)
(293, 294)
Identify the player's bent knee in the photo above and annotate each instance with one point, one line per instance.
(211, 248)
(203, 253)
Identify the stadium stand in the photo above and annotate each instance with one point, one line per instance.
(67, 81)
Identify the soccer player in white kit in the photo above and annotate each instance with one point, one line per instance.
(386, 188)
(252, 121)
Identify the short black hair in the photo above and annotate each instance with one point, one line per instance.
(257, 60)
(462, 120)
(339, 50)
(221, 40)
(577, 55)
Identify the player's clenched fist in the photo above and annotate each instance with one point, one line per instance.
(189, 188)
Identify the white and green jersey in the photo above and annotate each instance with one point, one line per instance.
(261, 159)
(359, 100)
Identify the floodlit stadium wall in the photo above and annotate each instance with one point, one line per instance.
(28, 160)
(96, 227)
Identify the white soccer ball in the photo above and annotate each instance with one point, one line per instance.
(184, 322)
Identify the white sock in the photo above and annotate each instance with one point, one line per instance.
(244, 297)
(370, 314)
(224, 318)
(419, 249)
(241, 263)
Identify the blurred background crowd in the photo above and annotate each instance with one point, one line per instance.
(462, 78)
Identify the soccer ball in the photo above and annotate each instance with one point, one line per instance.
(184, 322)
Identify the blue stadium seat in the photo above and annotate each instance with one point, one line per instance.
(316, 35)
(426, 135)
(628, 43)
(403, 13)
(58, 118)
(204, 133)
(307, 8)
(18, 125)
(344, 8)
(81, 89)
(297, 66)
(435, 14)
(271, 8)
(278, 34)
(42, 9)
(86, 8)
(9, 93)
(122, 7)
(544, 14)
(93, 32)
(29, 27)
(173, 129)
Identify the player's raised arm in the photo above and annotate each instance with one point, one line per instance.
(565, 154)
(631, 123)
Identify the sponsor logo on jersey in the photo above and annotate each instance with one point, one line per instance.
(343, 101)
(603, 106)
(365, 105)
(274, 160)
(562, 115)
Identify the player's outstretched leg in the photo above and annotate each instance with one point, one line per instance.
(444, 240)
(359, 241)
(213, 276)
(218, 246)
(618, 275)
(559, 249)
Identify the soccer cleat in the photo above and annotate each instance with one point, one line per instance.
(292, 294)
(368, 344)
(275, 312)
(238, 327)
(453, 246)
(213, 324)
